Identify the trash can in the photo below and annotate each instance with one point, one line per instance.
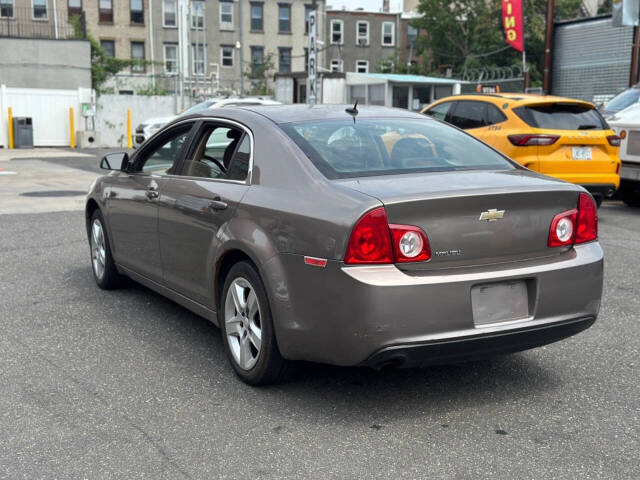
(22, 132)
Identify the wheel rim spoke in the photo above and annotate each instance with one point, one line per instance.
(252, 304)
(233, 326)
(237, 292)
(255, 335)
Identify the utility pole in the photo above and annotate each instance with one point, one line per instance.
(312, 84)
(548, 49)
(240, 50)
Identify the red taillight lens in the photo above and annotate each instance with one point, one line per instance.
(527, 140)
(575, 226)
(563, 229)
(614, 140)
(587, 229)
(410, 244)
(370, 241)
(373, 240)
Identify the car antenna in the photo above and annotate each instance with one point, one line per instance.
(353, 111)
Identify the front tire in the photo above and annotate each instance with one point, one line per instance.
(247, 327)
(103, 267)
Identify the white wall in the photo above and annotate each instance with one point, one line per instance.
(111, 115)
(49, 110)
(334, 91)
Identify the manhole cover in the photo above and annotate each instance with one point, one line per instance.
(55, 193)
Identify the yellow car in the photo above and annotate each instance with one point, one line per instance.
(560, 137)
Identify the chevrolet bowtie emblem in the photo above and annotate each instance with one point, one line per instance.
(491, 215)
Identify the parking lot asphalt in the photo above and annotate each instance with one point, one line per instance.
(127, 384)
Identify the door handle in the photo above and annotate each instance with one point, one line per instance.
(152, 193)
(217, 204)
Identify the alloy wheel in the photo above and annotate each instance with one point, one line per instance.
(98, 249)
(243, 326)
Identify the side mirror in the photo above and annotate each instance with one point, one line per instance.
(115, 161)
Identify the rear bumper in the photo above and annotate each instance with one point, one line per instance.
(605, 191)
(477, 346)
(346, 315)
(603, 183)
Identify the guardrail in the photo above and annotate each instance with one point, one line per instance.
(41, 22)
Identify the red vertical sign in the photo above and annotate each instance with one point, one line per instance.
(513, 23)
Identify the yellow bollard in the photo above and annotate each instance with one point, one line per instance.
(10, 127)
(129, 144)
(72, 130)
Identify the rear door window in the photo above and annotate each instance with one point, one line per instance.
(440, 111)
(494, 115)
(562, 116)
(469, 114)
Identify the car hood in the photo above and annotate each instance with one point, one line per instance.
(630, 116)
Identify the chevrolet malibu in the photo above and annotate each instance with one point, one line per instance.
(349, 236)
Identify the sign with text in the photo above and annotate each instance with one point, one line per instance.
(312, 65)
(513, 23)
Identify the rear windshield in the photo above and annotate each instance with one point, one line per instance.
(562, 116)
(345, 149)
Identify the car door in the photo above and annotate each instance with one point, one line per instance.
(197, 203)
(132, 202)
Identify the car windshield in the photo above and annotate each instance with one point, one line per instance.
(562, 116)
(199, 107)
(387, 146)
(623, 100)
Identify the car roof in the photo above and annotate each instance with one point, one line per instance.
(517, 99)
(304, 113)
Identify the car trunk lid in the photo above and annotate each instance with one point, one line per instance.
(473, 218)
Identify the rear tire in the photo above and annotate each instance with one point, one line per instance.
(247, 329)
(103, 267)
(630, 194)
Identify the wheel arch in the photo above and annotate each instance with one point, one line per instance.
(90, 208)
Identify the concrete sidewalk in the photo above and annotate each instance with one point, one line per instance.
(31, 184)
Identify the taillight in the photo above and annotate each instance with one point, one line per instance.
(587, 229)
(370, 241)
(575, 226)
(614, 140)
(527, 140)
(410, 244)
(563, 229)
(373, 240)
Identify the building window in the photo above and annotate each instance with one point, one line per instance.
(108, 48)
(40, 9)
(105, 11)
(307, 10)
(284, 17)
(362, 33)
(170, 58)
(169, 13)
(337, 32)
(197, 15)
(336, 65)
(226, 15)
(388, 34)
(198, 60)
(6, 8)
(74, 7)
(362, 66)
(137, 55)
(137, 12)
(256, 16)
(284, 59)
(226, 54)
(257, 61)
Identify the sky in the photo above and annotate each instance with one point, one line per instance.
(371, 5)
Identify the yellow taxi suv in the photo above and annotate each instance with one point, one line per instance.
(561, 137)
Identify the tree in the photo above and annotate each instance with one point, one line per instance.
(469, 33)
(259, 73)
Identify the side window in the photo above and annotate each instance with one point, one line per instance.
(440, 111)
(469, 114)
(221, 153)
(162, 158)
(494, 115)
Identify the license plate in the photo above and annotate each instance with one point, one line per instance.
(581, 153)
(499, 302)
